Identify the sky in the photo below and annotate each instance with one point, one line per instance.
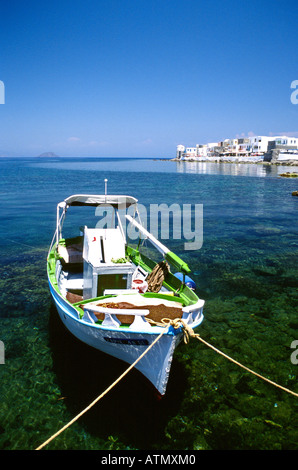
(135, 78)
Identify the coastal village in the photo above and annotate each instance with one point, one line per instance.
(271, 149)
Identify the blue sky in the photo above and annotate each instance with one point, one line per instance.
(137, 77)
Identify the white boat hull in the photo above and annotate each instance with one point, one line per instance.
(123, 344)
(98, 262)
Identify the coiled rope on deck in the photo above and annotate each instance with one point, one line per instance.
(187, 334)
(157, 276)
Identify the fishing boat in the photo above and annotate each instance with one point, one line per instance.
(110, 294)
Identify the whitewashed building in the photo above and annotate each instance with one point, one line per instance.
(245, 146)
(180, 151)
(191, 152)
(259, 143)
(211, 147)
(202, 150)
(287, 141)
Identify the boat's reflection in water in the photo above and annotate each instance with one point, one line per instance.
(132, 410)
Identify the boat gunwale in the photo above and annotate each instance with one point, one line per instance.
(156, 329)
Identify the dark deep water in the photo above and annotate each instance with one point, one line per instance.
(246, 271)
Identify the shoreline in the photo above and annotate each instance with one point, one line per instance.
(237, 160)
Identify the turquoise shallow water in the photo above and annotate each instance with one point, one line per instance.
(246, 271)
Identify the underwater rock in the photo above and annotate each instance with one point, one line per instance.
(245, 385)
(240, 299)
(260, 229)
(281, 413)
(265, 270)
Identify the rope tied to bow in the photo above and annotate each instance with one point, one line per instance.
(177, 323)
(189, 333)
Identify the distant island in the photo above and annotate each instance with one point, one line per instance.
(48, 155)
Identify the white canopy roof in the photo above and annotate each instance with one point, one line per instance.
(99, 199)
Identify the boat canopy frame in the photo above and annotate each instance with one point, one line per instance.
(117, 202)
(93, 200)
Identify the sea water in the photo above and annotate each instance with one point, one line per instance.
(246, 270)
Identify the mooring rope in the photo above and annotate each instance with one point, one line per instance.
(187, 334)
(102, 394)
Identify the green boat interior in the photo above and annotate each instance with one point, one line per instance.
(97, 267)
(80, 281)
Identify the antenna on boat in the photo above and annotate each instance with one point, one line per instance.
(106, 184)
